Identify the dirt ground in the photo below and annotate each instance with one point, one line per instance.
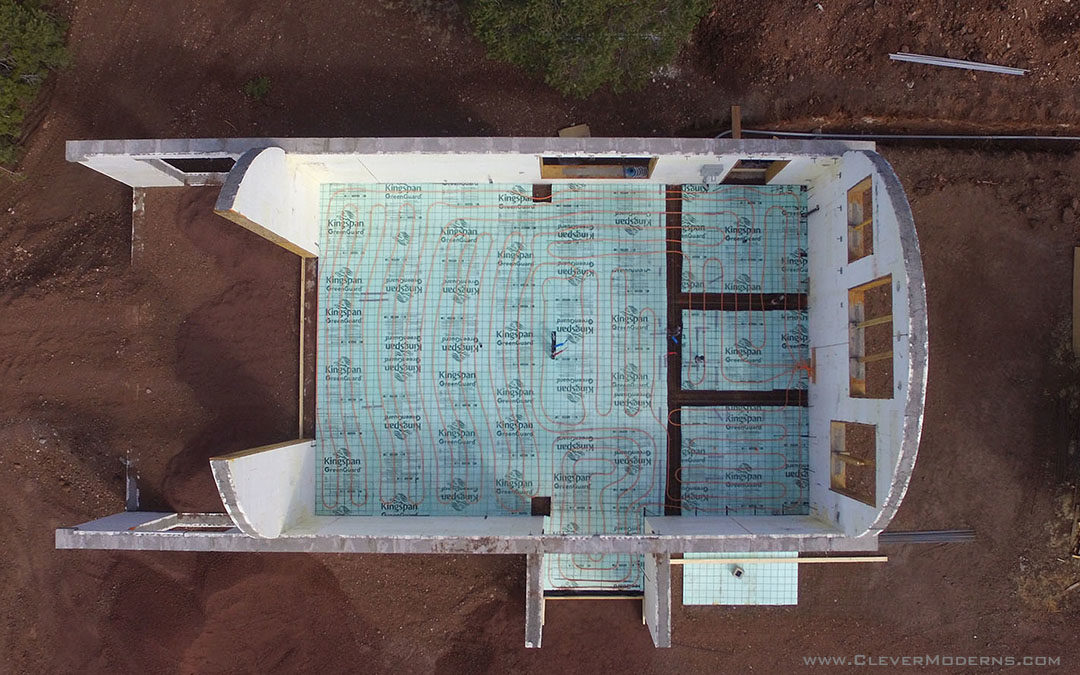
(175, 352)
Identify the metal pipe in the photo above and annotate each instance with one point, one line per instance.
(927, 537)
(956, 63)
(900, 137)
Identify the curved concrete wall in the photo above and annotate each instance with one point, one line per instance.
(898, 420)
(265, 194)
(269, 489)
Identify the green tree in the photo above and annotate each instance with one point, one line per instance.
(579, 46)
(31, 44)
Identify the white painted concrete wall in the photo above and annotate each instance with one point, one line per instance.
(132, 171)
(424, 526)
(268, 490)
(464, 167)
(265, 193)
(830, 279)
(276, 189)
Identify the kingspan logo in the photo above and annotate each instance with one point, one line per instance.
(515, 252)
(403, 191)
(629, 376)
(744, 473)
(458, 230)
(577, 233)
(634, 461)
(629, 318)
(460, 348)
(342, 461)
(400, 505)
(459, 494)
(461, 289)
(344, 311)
(743, 348)
(801, 474)
(342, 368)
(514, 392)
(738, 419)
(517, 196)
(343, 279)
(742, 230)
(691, 228)
(514, 334)
(694, 496)
(346, 223)
(742, 284)
(575, 329)
(404, 288)
(570, 480)
(456, 432)
(456, 378)
(575, 387)
(402, 426)
(514, 425)
(632, 223)
(796, 337)
(403, 238)
(794, 261)
(514, 481)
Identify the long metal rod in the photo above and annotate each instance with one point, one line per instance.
(927, 537)
(956, 63)
(801, 561)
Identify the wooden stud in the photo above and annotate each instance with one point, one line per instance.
(875, 322)
(303, 293)
(880, 356)
(775, 168)
(851, 459)
(736, 122)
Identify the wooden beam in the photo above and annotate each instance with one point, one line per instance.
(673, 227)
(775, 168)
(880, 356)
(712, 397)
(874, 322)
(736, 122)
(303, 294)
(739, 301)
(851, 459)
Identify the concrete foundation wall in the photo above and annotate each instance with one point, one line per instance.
(265, 194)
(656, 603)
(534, 600)
(273, 189)
(679, 160)
(447, 534)
(898, 419)
(267, 490)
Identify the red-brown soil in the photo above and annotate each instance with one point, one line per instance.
(184, 350)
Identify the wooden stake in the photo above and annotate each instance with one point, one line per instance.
(736, 121)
